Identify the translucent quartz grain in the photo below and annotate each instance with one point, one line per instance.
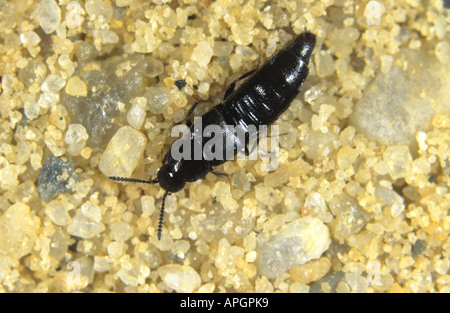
(47, 100)
(30, 38)
(53, 83)
(123, 152)
(83, 227)
(154, 67)
(136, 114)
(181, 278)
(121, 231)
(85, 51)
(350, 217)
(293, 244)
(75, 133)
(402, 102)
(398, 158)
(318, 207)
(34, 72)
(18, 230)
(48, 15)
(324, 64)
(97, 8)
(222, 48)
(92, 211)
(58, 211)
(112, 85)
(202, 53)
(158, 98)
(74, 15)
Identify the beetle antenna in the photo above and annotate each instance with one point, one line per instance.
(161, 215)
(133, 180)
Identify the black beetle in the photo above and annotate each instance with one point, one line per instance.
(260, 100)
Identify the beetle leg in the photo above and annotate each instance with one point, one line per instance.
(223, 175)
(231, 87)
(248, 151)
(166, 156)
(191, 110)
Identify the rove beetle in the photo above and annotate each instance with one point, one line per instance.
(260, 100)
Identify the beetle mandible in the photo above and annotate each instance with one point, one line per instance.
(260, 100)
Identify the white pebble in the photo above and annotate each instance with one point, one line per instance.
(31, 109)
(121, 231)
(222, 48)
(48, 15)
(202, 53)
(73, 16)
(97, 8)
(30, 38)
(53, 83)
(136, 115)
(91, 211)
(324, 64)
(83, 227)
(107, 36)
(295, 243)
(75, 133)
(57, 211)
(47, 100)
(123, 152)
(181, 278)
(148, 205)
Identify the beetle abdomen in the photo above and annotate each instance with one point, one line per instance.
(262, 98)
